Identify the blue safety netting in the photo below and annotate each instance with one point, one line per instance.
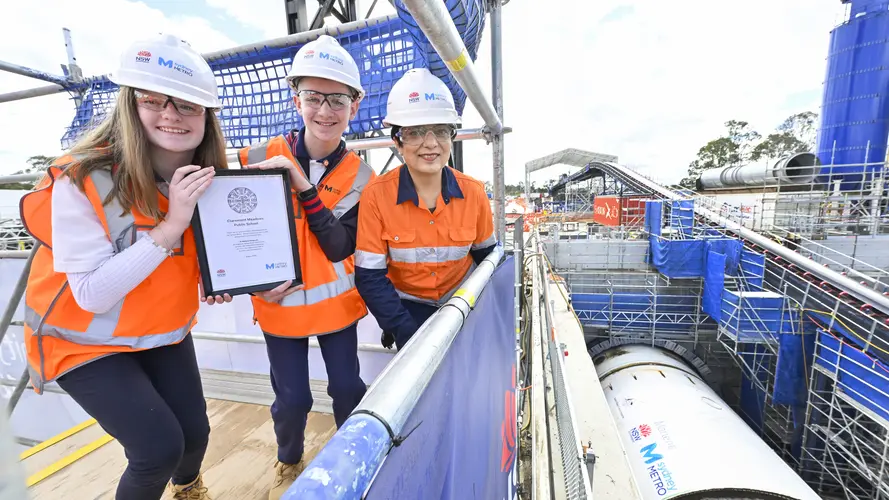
(257, 102)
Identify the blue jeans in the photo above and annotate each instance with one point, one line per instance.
(152, 403)
(289, 369)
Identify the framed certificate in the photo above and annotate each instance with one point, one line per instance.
(245, 233)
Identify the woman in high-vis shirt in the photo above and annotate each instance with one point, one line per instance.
(422, 226)
(114, 287)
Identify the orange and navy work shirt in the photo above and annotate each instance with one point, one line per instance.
(424, 254)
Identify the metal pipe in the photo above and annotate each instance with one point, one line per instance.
(465, 134)
(297, 38)
(346, 466)
(33, 73)
(18, 391)
(860, 292)
(793, 170)
(434, 19)
(29, 93)
(10, 179)
(399, 386)
(17, 294)
(497, 98)
(258, 339)
(14, 254)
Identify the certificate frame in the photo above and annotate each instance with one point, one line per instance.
(210, 289)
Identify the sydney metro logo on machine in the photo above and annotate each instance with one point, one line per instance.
(660, 476)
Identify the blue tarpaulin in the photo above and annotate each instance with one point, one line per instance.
(860, 376)
(682, 216)
(728, 247)
(653, 216)
(678, 258)
(464, 444)
(753, 269)
(714, 284)
(794, 361)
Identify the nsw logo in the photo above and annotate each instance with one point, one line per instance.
(143, 56)
(413, 97)
(637, 433)
(220, 273)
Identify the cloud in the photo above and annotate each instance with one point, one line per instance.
(650, 81)
(33, 38)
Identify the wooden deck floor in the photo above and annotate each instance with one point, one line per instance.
(238, 464)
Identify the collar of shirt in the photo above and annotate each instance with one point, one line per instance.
(408, 192)
(297, 142)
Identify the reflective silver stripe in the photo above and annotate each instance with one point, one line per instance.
(354, 194)
(256, 153)
(485, 244)
(120, 225)
(343, 283)
(370, 260)
(100, 331)
(444, 298)
(428, 255)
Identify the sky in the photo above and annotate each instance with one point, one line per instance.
(646, 80)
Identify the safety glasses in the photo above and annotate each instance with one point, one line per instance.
(157, 102)
(315, 99)
(417, 135)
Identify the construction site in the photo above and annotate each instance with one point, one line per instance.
(626, 340)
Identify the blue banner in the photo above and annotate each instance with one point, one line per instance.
(463, 443)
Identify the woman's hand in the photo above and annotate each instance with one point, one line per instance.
(186, 187)
(297, 179)
(276, 294)
(211, 299)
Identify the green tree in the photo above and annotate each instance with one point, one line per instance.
(796, 135)
(734, 148)
(36, 164)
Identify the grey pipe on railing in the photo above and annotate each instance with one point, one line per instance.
(434, 19)
(863, 293)
(346, 466)
(392, 398)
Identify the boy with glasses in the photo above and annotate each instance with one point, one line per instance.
(327, 181)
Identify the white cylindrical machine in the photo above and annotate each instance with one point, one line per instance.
(681, 439)
(793, 170)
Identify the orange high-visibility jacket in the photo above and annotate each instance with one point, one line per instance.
(59, 335)
(426, 254)
(329, 300)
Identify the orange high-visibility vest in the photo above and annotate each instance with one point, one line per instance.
(329, 300)
(59, 335)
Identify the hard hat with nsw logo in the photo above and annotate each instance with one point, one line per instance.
(325, 58)
(168, 65)
(420, 98)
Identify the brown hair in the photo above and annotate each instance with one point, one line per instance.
(120, 140)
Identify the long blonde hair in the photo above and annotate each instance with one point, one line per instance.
(120, 140)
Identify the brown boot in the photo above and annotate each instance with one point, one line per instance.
(194, 490)
(285, 475)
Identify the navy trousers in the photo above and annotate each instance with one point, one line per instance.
(420, 312)
(289, 369)
(152, 402)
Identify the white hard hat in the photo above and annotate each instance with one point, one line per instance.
(325, 58)
(420, 98)
(170, 66)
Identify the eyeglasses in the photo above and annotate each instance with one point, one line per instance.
(315, 100)
(157, 102)
(417, 135)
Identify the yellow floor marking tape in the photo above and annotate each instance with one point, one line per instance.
(66, 461)
(55, 439)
